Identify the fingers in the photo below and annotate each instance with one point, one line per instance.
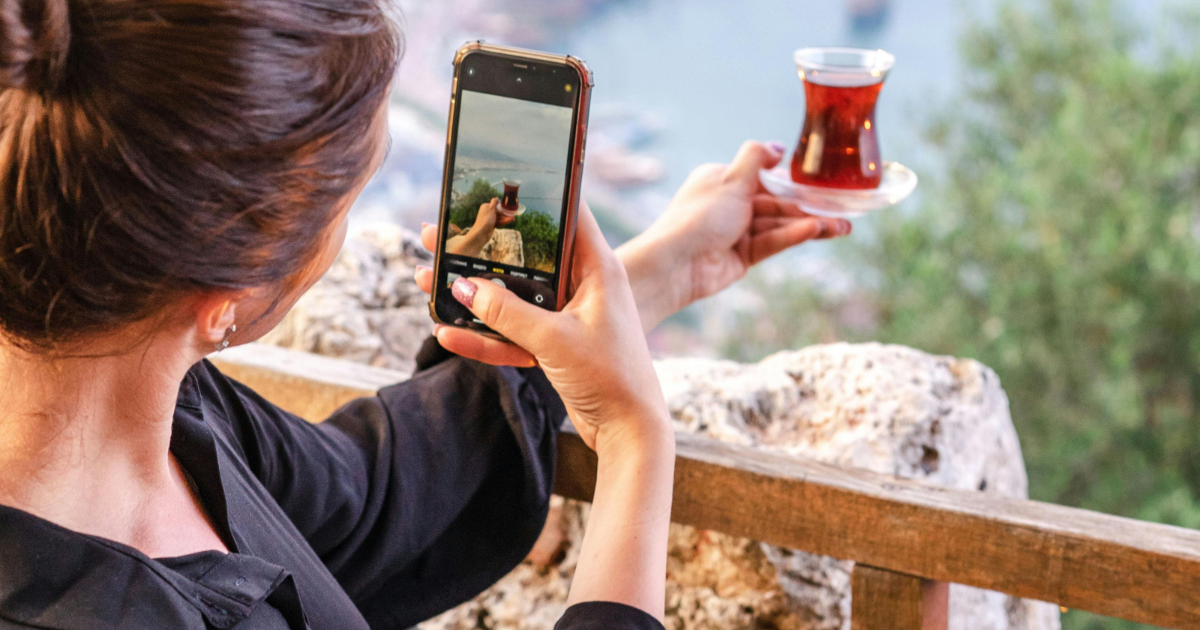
(486, 216)
(472, 345)
(769, 243)
(831, 228)
(770, 205)
(504, 312)
(753, 157)
(424, 277)
(777, 235)
(429, 236)
(591, 249)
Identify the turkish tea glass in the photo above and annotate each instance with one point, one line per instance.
(511, 188)
(839, 146)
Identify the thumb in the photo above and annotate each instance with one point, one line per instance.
(752, 157)
(521, 322)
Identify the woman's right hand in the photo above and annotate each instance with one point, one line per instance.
(593, 351)
(595, 355)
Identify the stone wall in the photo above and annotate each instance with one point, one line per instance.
(505, 246)
(889, 409)
(367, 307)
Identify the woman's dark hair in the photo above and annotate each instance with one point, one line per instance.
(150, 148)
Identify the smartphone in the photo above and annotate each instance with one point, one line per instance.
(510, 190)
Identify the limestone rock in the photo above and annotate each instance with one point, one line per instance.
(367, 308)
(505, 246)
(889, 409)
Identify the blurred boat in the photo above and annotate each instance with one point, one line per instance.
(868, 15)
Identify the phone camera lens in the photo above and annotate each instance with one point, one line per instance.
(470, 72)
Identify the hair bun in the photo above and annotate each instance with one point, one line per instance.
(35, 39)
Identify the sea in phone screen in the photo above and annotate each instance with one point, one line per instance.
(516, 152)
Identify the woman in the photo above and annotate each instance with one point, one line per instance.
(174, 175)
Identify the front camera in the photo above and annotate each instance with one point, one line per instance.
(470, 72)
(518, 79)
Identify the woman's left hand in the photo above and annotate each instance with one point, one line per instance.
(721, 223)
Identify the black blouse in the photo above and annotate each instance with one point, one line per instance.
(395, 509)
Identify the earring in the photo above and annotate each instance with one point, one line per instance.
(224, 343)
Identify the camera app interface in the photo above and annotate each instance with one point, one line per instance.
(507, 194)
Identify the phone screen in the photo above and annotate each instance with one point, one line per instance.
(510, 167)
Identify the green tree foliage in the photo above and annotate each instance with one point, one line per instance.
(539, 232)
(1062, 248)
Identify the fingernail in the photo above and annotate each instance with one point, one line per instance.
(844, 227)
(437, 328)
(463, 290)
(425, 225)
(776, 147)
(424, 268)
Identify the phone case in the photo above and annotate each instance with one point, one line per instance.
(562, 291)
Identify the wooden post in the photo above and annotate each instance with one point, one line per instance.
(887, 600)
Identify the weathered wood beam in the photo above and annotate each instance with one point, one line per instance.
(308, 385)
(1110, 565)
(1114, 566)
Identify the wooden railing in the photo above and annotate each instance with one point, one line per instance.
(907, 539)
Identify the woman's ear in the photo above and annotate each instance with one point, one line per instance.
(216, 317)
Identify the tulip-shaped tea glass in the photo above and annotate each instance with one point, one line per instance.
(839, 146)
(510, 205)
(512, 187)
(837, 169)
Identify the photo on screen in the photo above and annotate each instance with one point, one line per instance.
(514, 152)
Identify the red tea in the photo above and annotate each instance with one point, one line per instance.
(509, 201)
(839, 147)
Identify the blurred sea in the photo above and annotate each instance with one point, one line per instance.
(678, 82)
(541, 188)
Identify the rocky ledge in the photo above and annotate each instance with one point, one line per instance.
(889, 409)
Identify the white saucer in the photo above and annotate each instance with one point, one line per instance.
(897, 184)
(515, 213)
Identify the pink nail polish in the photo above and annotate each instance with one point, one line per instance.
(425, 225)
(463, 290)
(776, 147)
(424, 268)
